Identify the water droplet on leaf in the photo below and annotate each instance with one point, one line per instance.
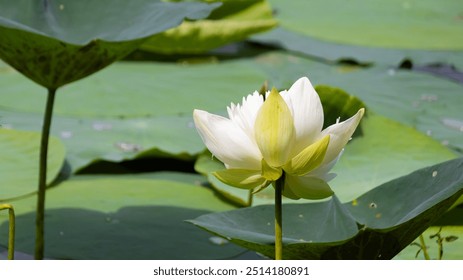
(100, 126)
(453, 123)
(218, 240)
(128, 147)
(7, 126)
(66, 134)
(429, 97)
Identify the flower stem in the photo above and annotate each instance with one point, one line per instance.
(278, 218)
(11, 229)
(424, 248)
(40, 215)
(250, 197)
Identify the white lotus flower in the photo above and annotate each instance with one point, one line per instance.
(262, 141)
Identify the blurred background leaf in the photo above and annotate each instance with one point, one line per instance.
(18, 164)
(233, 21)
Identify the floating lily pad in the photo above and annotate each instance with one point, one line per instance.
(424, 24)
(337, 52)
(55, 43)
(123, 217)
(20, 160)
(390, 217)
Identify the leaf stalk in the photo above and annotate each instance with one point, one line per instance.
(40, 213)
(11, 229)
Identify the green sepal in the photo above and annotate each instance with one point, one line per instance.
(270, 173)
(261, 187)
(241, 178)
(309, 159)
(307, 187)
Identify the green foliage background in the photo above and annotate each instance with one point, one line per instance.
(127, 167)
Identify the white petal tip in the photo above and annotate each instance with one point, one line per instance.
(361, 111)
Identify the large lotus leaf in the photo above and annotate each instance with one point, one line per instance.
(384, 150)
(232, 22)
(424, 24)
(389, 218)
(20, 159)
(336, 52)
(55, 43)
(123, 217)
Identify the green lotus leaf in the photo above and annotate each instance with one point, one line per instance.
(55, 43)
(376, 225)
